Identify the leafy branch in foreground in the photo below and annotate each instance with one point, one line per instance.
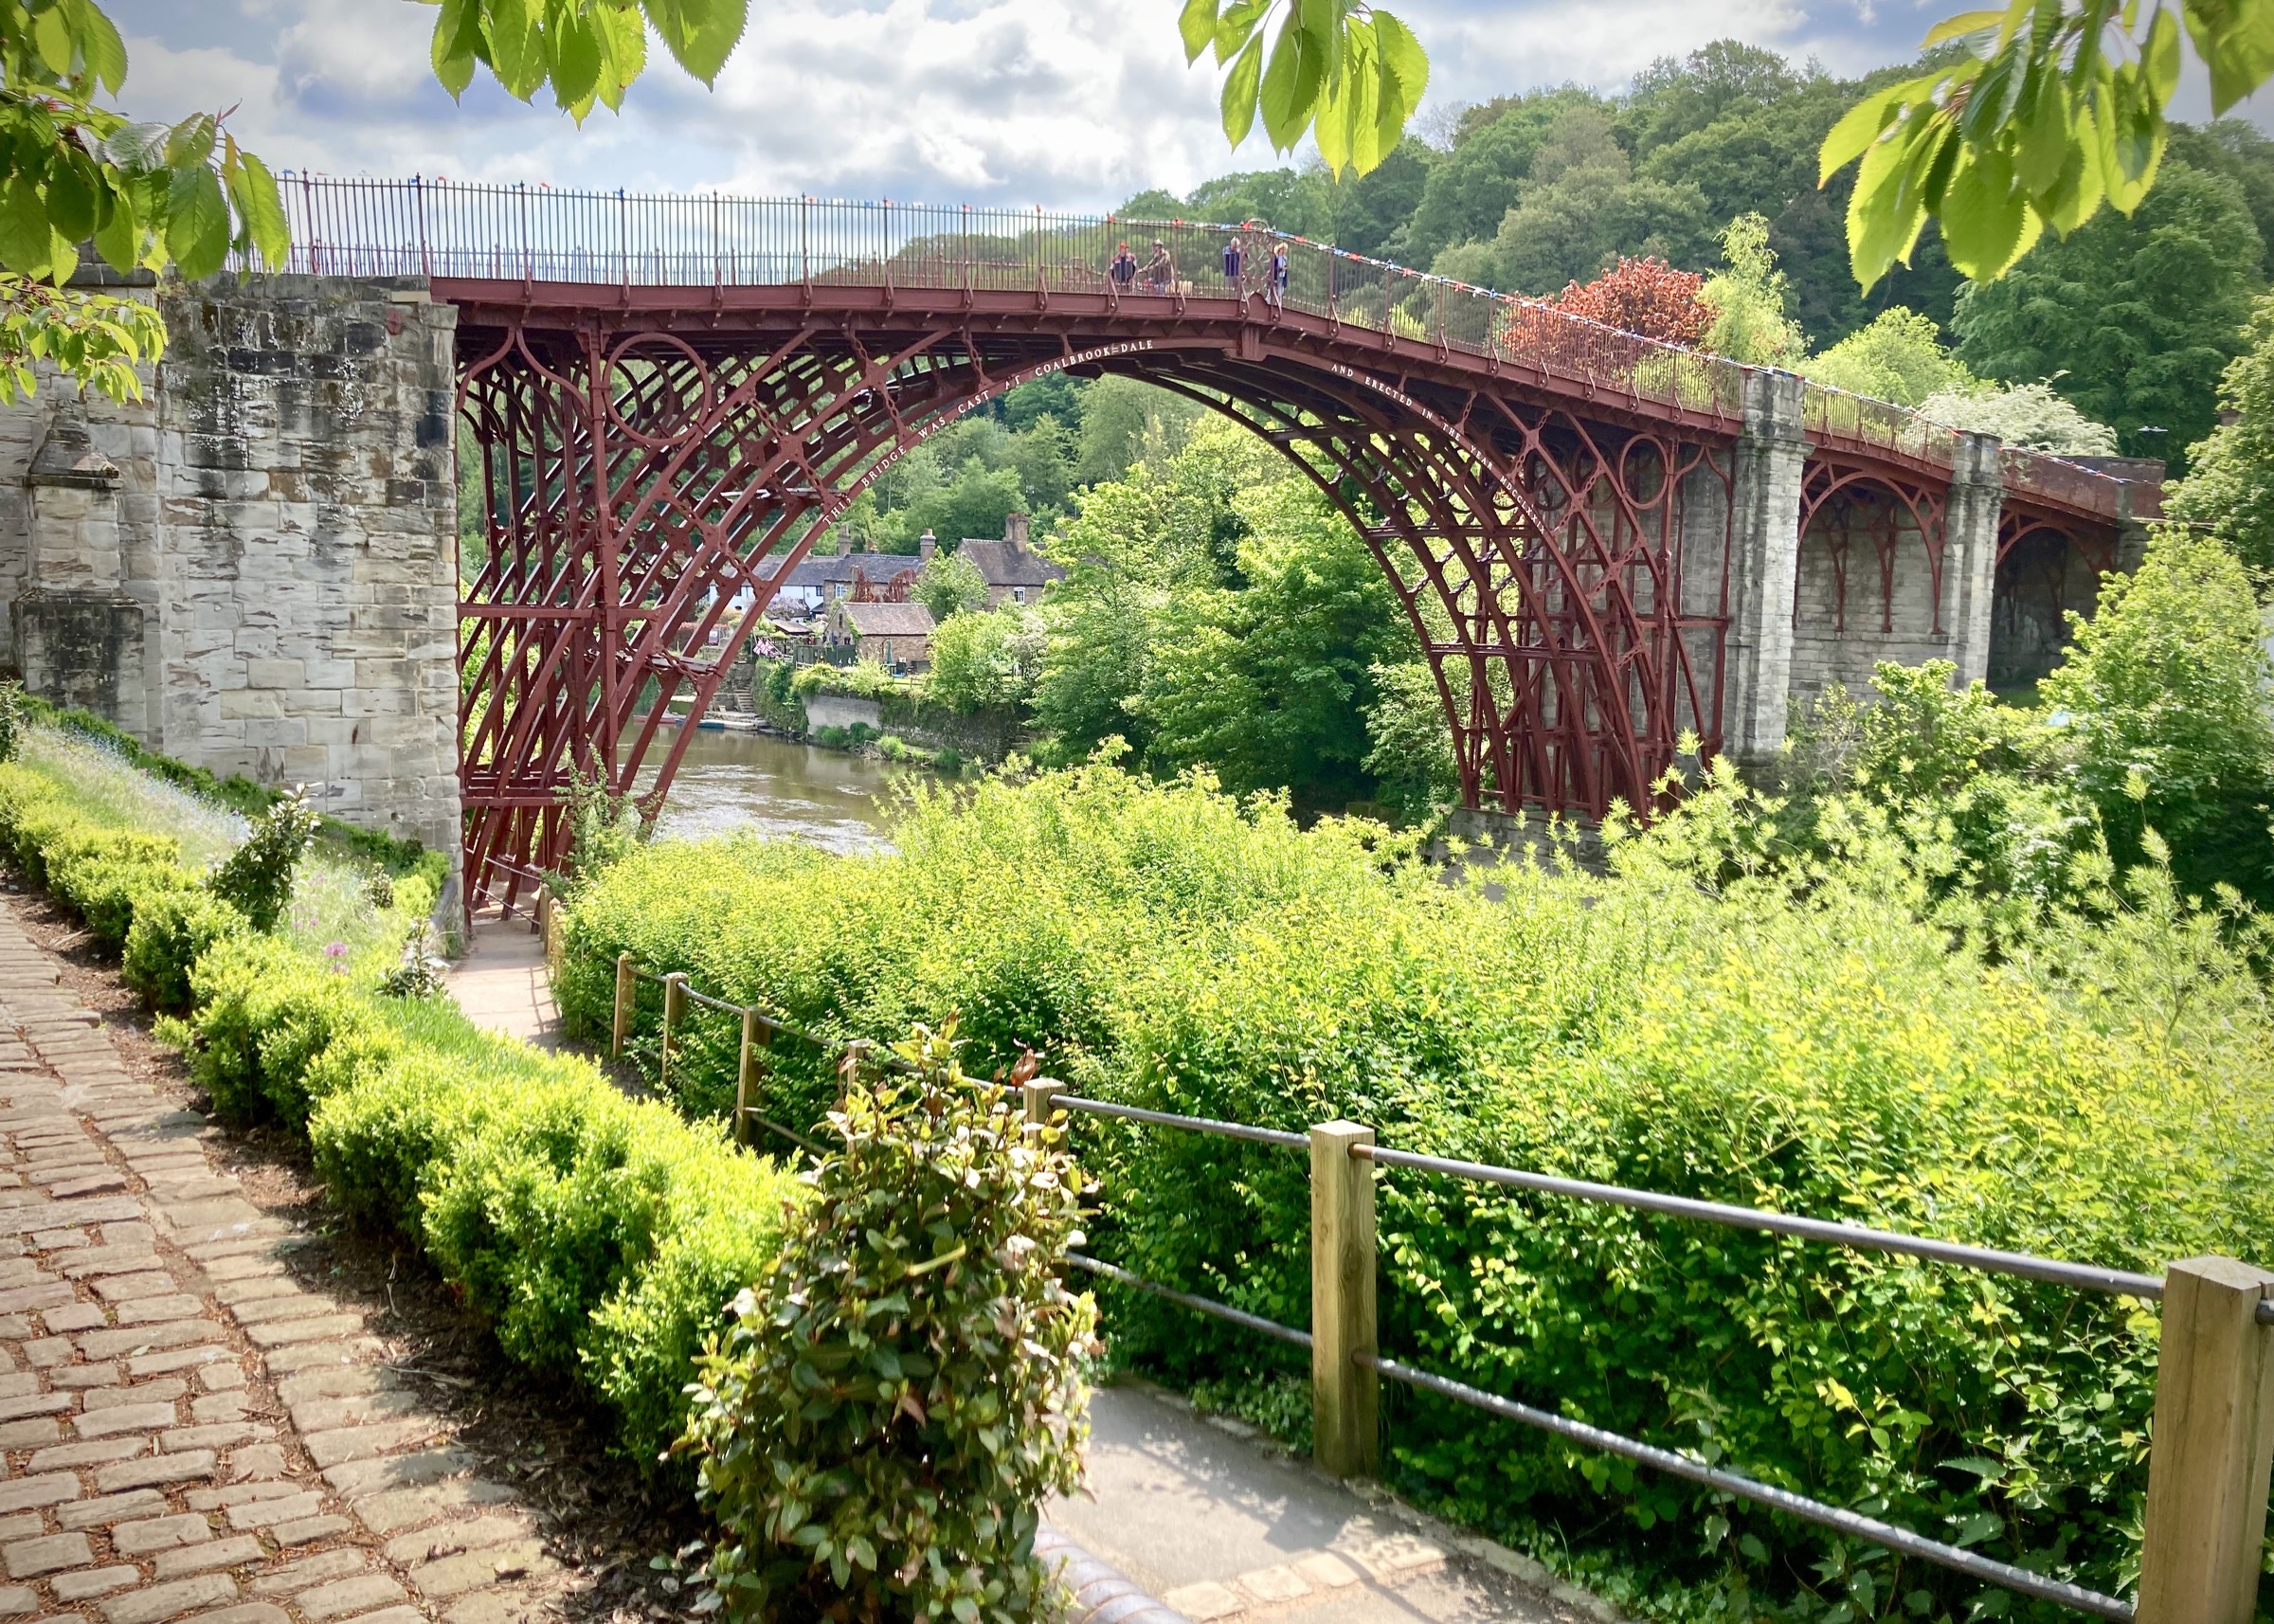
(2050, 109)
(97, 339)
(587, 50)
(1350, 73)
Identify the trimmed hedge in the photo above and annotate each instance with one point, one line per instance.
(600, 1238)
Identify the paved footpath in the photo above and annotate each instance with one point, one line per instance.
(190, 1433)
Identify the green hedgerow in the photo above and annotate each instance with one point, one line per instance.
(170, 934)
(906, 1387)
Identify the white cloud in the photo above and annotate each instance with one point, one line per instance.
(1066, 103)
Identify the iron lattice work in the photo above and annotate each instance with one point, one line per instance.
(642, 471)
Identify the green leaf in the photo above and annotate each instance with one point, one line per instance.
(2045, 138)
(622, 36)
(137, 149)
(1197, 23)
(51, 35)
(515, 45)
(261, 211)
(575, 52)
(1291, 84)
(197, 223)
(1986, 221)
(2159, 57)
(1963, 24)
(70, 202)
(190, 142)
(1403, 61)
(457, 36)
(119, 235)
(1240, 87)
(1237, 26)
(99, 46)
(700, 34)
(1860, 126)
(24, 240)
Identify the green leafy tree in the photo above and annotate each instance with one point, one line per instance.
(974, 503)
(987, 662)
(1900, 357)
(1677, 96)
(1583, 207)
(2165, 695)
(2132, 319)
(1748, 299)
(2229, 485)
(1270, 685)
(2033, 416)
(1471, 187)
(1117, 414)
(949, 586)
(1409, 748)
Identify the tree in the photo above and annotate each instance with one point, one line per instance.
(2132, 319)
(1473, 185)
(1410, 748)
(1900, 357)
(2030, 416)
(980, 661)
(950, 585)
(1116, 415)
(1643, 295)
(1582, 207)
(2230, 486)
(1747, 298)
(2164, 690)
(1677, 96)
(1271, 686)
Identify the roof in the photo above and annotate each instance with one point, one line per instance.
(889, 620)
(816, 569)
(1008, 564)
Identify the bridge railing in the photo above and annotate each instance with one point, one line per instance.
(2213, 1437)
(622, 239)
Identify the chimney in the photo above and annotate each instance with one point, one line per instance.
(1014, 529)
(927, 545)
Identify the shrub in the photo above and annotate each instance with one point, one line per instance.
(265, 1014)
(257, 877)
(170, 934)
(11, 718)
(877, 1431)
(423, 970)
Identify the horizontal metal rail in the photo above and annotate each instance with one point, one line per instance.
(2083, 1276)
(1850, 1522)
(1192, 1123)
(1208, 1306)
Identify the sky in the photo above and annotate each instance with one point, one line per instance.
(1071, 104)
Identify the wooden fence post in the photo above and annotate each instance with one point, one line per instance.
(747, 1073)
(1344, 1396)
(675, 1011)
(1042, 1097)
(626, 986)
(2213, 1443)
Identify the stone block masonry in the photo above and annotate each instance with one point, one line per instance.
(188, 1431)
(254, 568)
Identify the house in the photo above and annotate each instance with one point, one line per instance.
(819, 580)
(893, 634)
(1015, 573)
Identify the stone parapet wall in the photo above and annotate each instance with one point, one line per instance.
(281, 510)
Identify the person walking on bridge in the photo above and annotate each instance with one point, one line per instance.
(1235, 260)
(1123, 269)
(1159, 271)
(1275, 289)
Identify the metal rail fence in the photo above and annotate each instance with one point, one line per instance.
(621, 240)
(2214, 1430)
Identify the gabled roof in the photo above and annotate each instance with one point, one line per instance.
(817, 570)
(887, 620)
(1009, 564)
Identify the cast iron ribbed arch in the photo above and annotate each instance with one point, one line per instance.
(1858, 497)
(635, 484)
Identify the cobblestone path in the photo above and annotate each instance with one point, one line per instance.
(189, 1432)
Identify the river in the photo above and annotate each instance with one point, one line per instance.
(738, 781)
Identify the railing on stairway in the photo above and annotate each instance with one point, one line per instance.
(622, 240)
(2213, 1440)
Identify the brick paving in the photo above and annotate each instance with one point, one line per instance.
(189, 1432)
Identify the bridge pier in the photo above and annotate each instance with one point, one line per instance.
(1969, 553)
(1769, 464)
(253, 569)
